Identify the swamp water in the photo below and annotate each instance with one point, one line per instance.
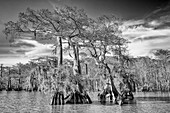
(36, 102)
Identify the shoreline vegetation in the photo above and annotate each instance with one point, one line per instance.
(98, 56)
(149, 75)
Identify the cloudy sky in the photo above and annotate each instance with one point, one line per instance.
(146, 24)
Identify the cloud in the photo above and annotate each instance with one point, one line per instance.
(144, 48)
(133, 22)
(138, 49)
(26, 41)
(154, 23)
(149, 33)
(23, 51)
(150, 38)
(35, 49)
(6, 55)
(143, 33)
(165, 18)
(143, 40)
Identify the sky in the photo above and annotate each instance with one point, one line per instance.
(146, 25)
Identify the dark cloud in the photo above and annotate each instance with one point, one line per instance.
(22, 44)
(154, 26)
(162, 11)
(11, 51)
(160, 17)
(4, 51)
(14, 49)
(18, 48)
(21, 51)
(163, 26)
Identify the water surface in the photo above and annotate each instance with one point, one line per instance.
(36, 102)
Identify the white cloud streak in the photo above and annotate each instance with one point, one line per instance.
(24, 53)
(142, 33)
(144, 37)
(38, 49)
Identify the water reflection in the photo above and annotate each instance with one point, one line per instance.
(58, 109)
(35, 102)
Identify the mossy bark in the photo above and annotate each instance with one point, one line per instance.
(78, 98)
(78, 94)
(58, 98)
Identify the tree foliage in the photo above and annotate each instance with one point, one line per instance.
(100, 39)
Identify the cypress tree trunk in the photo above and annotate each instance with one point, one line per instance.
(86, 69)
(60, 51)
(76, 66)
(106, 67)
(9, 81)
(58, 97)
(19, 81)
(114, 90)
(9, 84)
(79, 95)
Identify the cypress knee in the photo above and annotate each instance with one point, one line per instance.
(53, 100)
(59, 98)
(62, 98)
(56, 98)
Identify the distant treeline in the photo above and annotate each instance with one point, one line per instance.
(146, 74)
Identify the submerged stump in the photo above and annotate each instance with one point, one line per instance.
(102, 96)
(8, 89)
(124, 95)
(72, 98)
(78, 98)
(58, 98)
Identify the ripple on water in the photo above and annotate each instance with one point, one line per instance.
(36, 102)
